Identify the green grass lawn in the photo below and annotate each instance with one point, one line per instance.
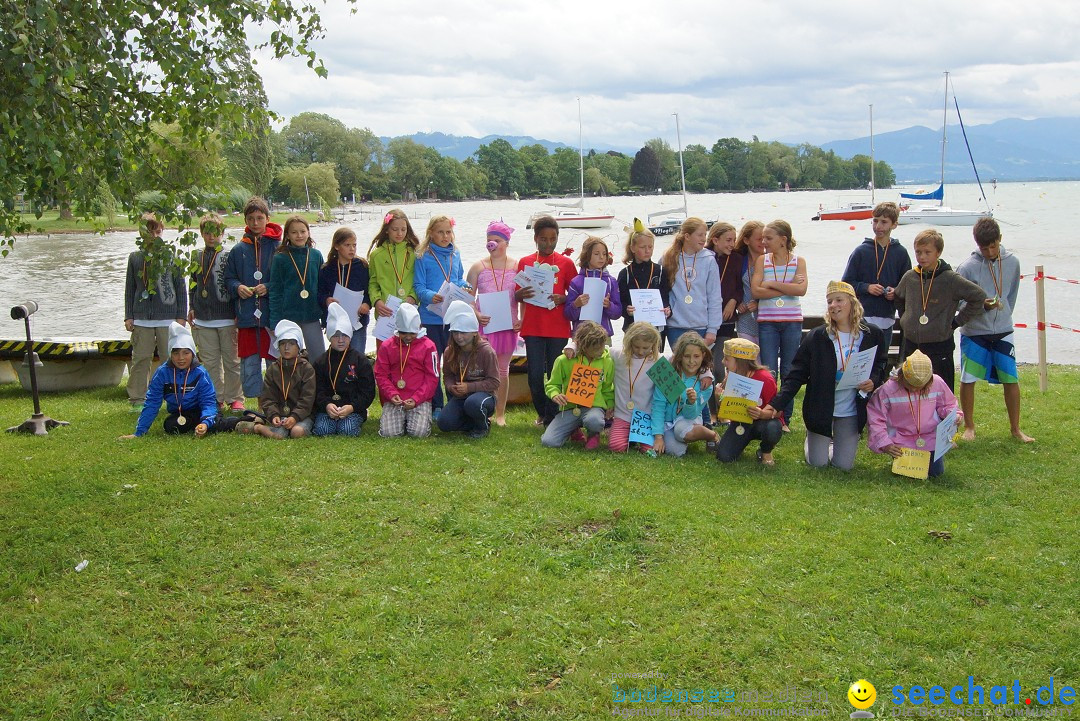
(50, 222)
(242, 578)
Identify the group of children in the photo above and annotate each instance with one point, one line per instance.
(266, 301)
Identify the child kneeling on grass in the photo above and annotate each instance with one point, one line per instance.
(406, 372)
(905, 411)
(591, 342)
(186, 388)
(675, 425)
(740, 358)
(288, 394)
(470, 374)
(344, 381)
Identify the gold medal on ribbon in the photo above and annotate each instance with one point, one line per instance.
(629, 405)
(920, 442)
(401, 383)
(779, 302)
(181, 421)
(740, 429)
(688, 299)
(304, 294)
(286, 410)
(205, 294)
(923, 320)
(335, 398)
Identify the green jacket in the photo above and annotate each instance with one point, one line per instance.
(559, 379)
(384, 280)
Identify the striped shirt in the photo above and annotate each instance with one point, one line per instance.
(783, 308)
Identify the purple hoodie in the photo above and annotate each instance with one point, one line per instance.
(610, 313)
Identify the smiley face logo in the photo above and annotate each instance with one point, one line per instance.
(862, 694)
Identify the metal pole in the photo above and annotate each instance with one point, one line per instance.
(1040, 317)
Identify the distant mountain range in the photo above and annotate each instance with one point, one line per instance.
(1010, 149)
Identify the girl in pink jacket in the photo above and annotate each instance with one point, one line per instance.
(906, 409)
(406, 373)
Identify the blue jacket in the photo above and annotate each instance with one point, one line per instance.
(664, 412)
(240, 270)
(196, 390)
(862, 272)
(428, 277)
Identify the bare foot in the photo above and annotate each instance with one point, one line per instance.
(784, 428)
(500, 421)
(1020, 435)
(969, 434)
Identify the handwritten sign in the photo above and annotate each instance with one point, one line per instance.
(667, 379)
(913, 464)
(641, 428)
(584, 383)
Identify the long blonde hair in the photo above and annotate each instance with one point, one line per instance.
(856, 318)
(628, 254)
(742, 241)
(435, 220)
(641, 332)
(671, 257)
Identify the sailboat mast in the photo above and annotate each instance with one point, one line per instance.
(581, 154)
(682, 171)
(873, 186)
(944, 133)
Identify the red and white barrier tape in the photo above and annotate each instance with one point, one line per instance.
(1050, 277)
(1044, 326)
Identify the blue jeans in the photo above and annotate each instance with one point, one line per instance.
(350, 425)
(541, 353)
(779, 342)
(673, 335)
(440, 336)
(251, 371)
(359, 340)
(470, 413)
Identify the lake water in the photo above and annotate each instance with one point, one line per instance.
(78, 279)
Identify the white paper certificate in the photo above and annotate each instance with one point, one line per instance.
(386, 327)
(596, 289)
(350, 301)
(648, 306)
(859, 365)
(497, 306)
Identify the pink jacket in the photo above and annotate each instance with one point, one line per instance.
(889, 414)
(421, 372)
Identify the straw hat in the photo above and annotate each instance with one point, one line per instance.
(740, 348)
(839, 286)
(918, 370)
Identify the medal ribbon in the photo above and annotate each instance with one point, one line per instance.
(997, 277)
(882, 264)
(840, 349)
(348, 274)
(292, 374)
(679, 404)
(307, 257)
(208, 268)
(495, 278)
(403, 361)
(647, 282)
(686, 278)
(916, 419)
(404, 264)
(637, 375)
(926, 297)
(334, 378)
(445, 274)
(180, 392)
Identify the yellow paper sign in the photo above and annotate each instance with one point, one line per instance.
(734, 409)
(913, 464)
(584, 383)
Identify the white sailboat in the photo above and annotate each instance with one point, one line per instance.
(942, 214)
(669, 226)
(573, 215)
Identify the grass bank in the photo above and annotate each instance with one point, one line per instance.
(50, 223)
(240, 578)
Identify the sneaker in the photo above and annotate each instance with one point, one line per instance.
(593, 442)
(478, 433)
(136, 407)
(245, 427)
(435, 416)
(577, 436)
(238, 406)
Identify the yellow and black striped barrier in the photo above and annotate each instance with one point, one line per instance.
(66, 350)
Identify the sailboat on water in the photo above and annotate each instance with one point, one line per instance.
(668, 226)
(573, 215)
(942, 214)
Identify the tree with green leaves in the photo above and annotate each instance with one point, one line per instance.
(505, 171)
(86, 84)
(645, 170)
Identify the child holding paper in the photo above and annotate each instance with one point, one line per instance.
(591, 341)
(593, 260)
(391, 260)
(641, 273)
(544, 327)
(741, 359)
(676, 425)
(496, 276)
(438, 262)
(344, 268)
(834, 417)
(344, 382)
(906, 410)
(406, 372)
(633, 386)
(470, 372)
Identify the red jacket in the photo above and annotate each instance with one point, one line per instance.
(541, 322)
(421, 372)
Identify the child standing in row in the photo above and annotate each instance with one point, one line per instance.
(633, 386)
(928, 298)
(749, 246)
(591, 341)
(741, 358)
(247, 275)
(344, 268)
(721, 241)
(406, 373)
(151, 304)
(641, 273)
(344, 381)
(593, 261)
(696, 303)
(437, 261)
(496, 276)
(392, 262)
(471, 375)
(906, 410)
(875, 268)
(213, 316)
(185, 387)
(294, 284)
(986, 342)
(779, 282)
(675, 425)
(545, 330)
(288, 396)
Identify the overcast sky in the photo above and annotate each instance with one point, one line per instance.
(782, 70)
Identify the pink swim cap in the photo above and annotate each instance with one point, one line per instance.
(501, 229)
